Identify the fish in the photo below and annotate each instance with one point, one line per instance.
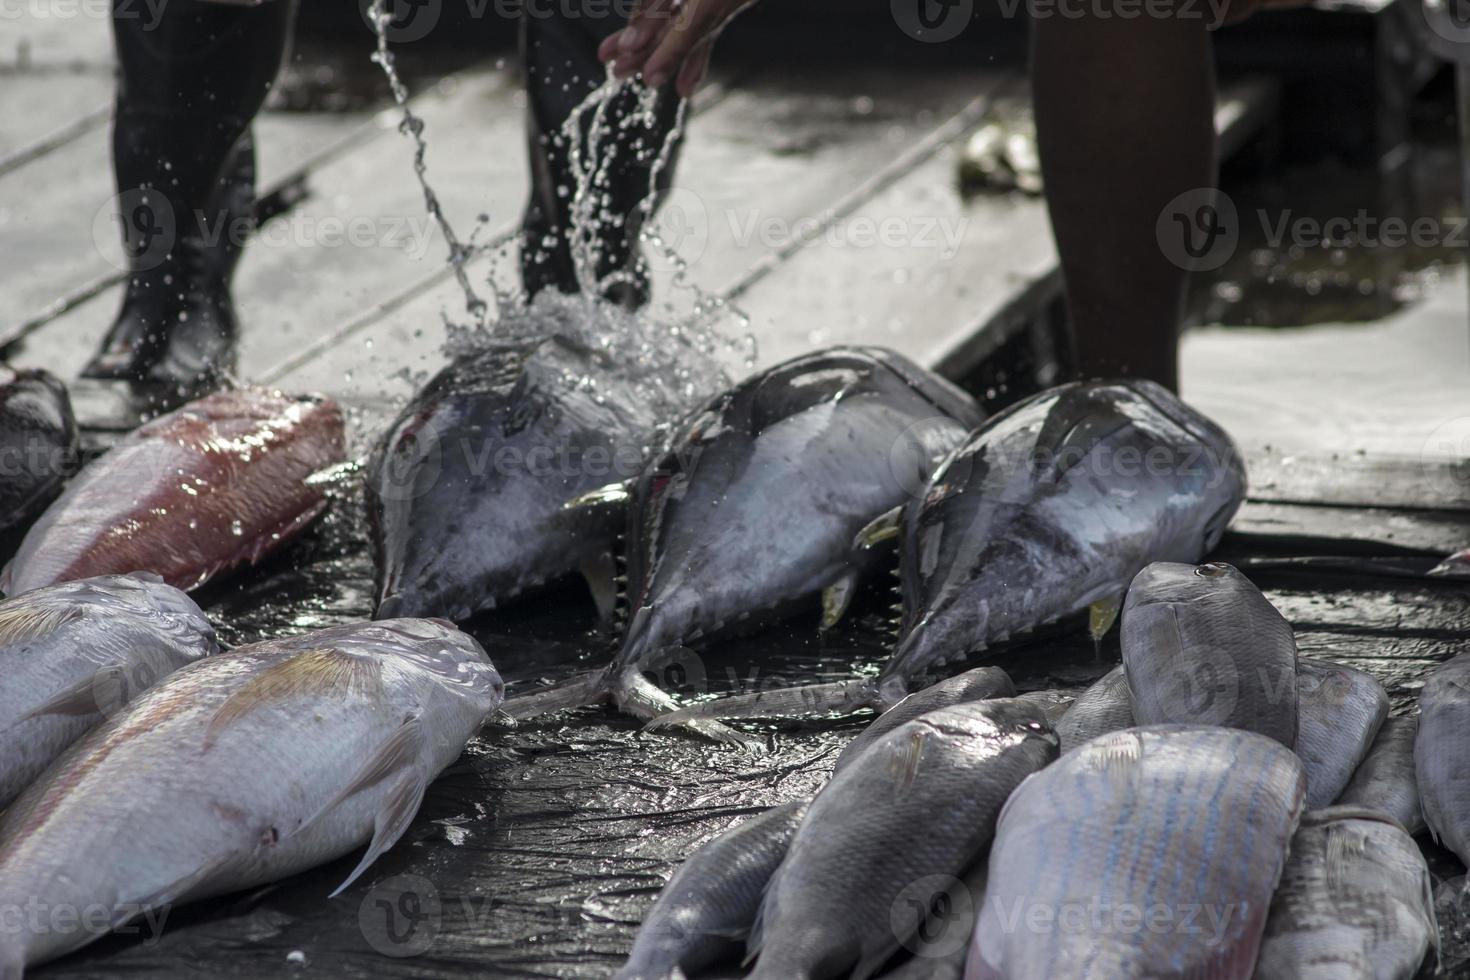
(237, 770)
(708, 907)
(1385, 779)
(38, 442)
(1148, 852)
(911, 813)
(939, 950)
(1047, 510)
(1355, 902)
(973, 685)
(1202, 645)
(1340, 711)
(1055, 703)
(467, 488)
(216, 484)
(1440, 750)
(77, 652)
(749, 510)
(1104, 707)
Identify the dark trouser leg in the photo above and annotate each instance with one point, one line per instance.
(560, 55)
(1124, 124)
(189, 86)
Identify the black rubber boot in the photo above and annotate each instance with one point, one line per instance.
(560, 57)
(189, 86)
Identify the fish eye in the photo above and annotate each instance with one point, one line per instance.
(1211, 569)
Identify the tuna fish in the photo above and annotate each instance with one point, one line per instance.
(1149, 852)
(76, 652)
(237, 770)
(973, 685)
(750, 510)
(912, 812)
(1049, 509)
(38, 442)
(1202, 645)
(707, 909)
(1355, 902)
(1385, 780)
(216, 484)
(1104, 707)
(1441, 747)
(1340, 710)
(467, 487)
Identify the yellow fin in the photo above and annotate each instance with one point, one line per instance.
(1101, 616)
(321, 673)
(836, 598)
(883, 528)
(27, 621)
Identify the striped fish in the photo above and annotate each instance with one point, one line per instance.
(1340, 710)
(1441, 747)
(1355, 902)
(1385, 780)
(1148, 852)
(237, 770)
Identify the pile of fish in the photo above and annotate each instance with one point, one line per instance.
(1179, 821)
(38, 442)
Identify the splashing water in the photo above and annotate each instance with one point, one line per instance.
(673, 361)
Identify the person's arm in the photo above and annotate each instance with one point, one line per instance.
(667, 39)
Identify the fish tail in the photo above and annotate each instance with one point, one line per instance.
(575, 692)
(636, 695)
(788, 702)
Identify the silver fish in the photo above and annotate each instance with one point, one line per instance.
(1054, 703)
(1049, 509)
(973, 685)
(237, 770)
(750, 510)
(1203, 646)
(468, 485)
(1355, 902)
(940, 949)
(1104, 707)
(1385, 780)
(917, 807)
(74, 653)
(709, 905)
(1149, 852)
(1340, 709)
(1440, 749)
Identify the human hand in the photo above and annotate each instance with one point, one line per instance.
(669, 39)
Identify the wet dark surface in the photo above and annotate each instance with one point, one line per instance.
(535, 855)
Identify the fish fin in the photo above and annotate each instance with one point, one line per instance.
(601, 573)
(108, 687)
(1455, 566)
(1101, 616)
(397, 813)
(614, 495)
(575, 692)
(322, 672)
(909, 757)
(836, 599)
(398, 756)
(27, 620)
(636, 695)
(883, 528)
(786, 702)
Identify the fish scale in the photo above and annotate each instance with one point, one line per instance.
(1140, 790)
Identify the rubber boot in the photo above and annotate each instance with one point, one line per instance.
(560, 58)
(189, 85)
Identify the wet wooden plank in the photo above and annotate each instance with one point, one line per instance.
(779, 154)
(1360, 480)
